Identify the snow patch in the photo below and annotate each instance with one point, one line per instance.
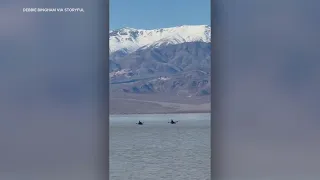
(120, 72)
(164, 78)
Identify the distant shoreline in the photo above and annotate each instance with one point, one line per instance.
(124, 106)
(176, 112)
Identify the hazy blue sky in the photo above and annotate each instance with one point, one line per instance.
(149, 14)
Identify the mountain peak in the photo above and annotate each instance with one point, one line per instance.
(131, 39)
(123, 29)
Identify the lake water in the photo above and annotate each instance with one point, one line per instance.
(158, 150)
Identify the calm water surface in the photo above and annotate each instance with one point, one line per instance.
(159, 150)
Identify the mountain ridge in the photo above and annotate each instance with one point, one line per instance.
(160, 65)
(130, 39)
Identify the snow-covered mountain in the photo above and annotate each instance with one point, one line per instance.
(169, 60)
(128, 40)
